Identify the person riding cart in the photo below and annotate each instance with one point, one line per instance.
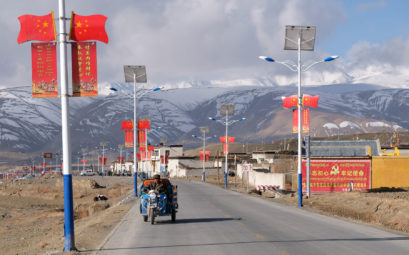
(157, 185)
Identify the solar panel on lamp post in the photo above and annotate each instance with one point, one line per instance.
(299, 38)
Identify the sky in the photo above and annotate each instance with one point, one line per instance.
(217, 42)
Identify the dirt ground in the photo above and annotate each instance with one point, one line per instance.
(32, 211)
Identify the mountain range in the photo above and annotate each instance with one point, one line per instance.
(34, 124)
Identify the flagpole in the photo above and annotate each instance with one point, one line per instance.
(66, 142)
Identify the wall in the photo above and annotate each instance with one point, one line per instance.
(258, 178)
(390, 171)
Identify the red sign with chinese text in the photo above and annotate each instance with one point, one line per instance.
(44, 70)
(295, 120)
(128, 138)
(84, 69)
(305, 120)
(337, 175)
(141, 138)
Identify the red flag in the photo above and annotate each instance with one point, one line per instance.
(295, 120)
(44, 70)
(127, 125)
(305, 120)
(128, 138)
(311, 101)
(222, 139)
(84, 69)
(230, 139)
(289, 101)
(86, 28)
(201, 155)
(37, 28)
(143, 124)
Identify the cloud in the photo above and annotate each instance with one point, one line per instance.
(180, 40)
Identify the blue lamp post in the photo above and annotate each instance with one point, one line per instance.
(136, 74)
(204, 130)
(227, 109)
(299, 38)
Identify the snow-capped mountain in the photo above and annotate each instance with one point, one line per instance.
(29, 124)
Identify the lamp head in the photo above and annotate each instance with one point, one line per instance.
(266, 58)
(330, 58)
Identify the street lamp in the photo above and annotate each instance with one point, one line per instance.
(103, 144)
(226, 109)
(135, 74)
(146, 147)
(204, 130)
(299, 38)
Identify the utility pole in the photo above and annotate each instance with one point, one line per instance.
(120, 146)
(103, 144)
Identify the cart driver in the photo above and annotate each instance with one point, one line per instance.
(157, 185)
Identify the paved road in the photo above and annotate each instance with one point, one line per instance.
(214, 221)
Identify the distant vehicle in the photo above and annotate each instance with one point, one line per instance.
(57, 171)
(45, 171)
(88, 172)
(26, 177)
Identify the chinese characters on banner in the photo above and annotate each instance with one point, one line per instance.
(44, 70)
(295, 120)
(305, 120)
(128, 138)
(84, 69)
(337, 175)
(141, 138)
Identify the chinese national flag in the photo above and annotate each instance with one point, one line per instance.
(127, 125)
(143, 124)
(37, 28)
(86, 28)
(311, 101)
(230, 139)
(289, 101)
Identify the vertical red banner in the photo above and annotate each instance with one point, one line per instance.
(305, 120)
(226, 148)
(295, 120)
(141, 138)
(44, 70)
(84, 69)
(128, 138)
